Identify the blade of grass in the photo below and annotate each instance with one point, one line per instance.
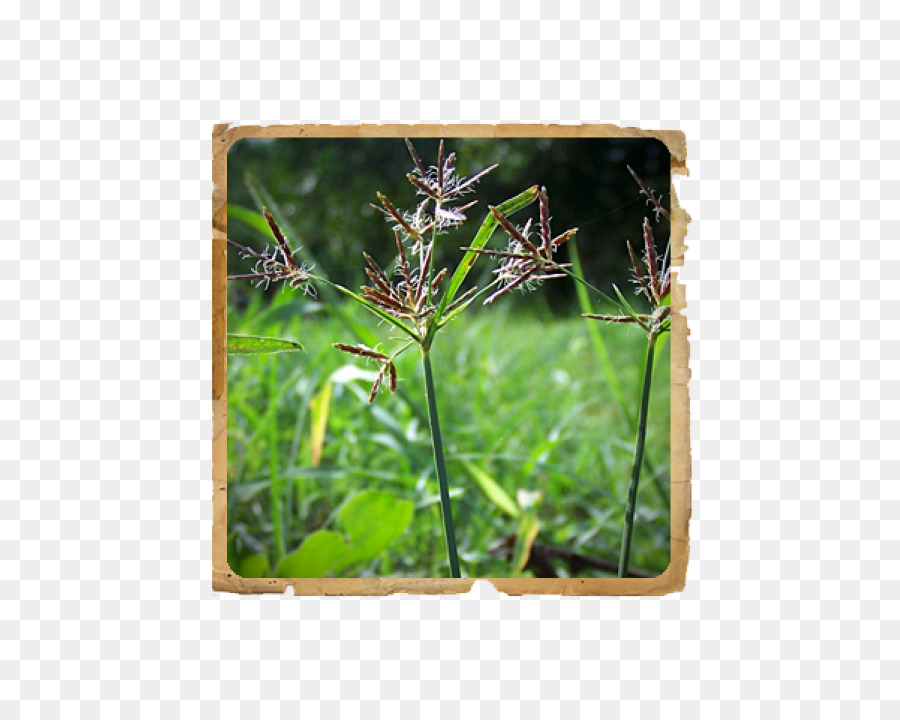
(555, 470)
(305, 395)
(275, 488)
(465, 304)
(250, 218)
(256, 345)
(465, 265)
(629, 310)
(374, 309)
(609, 372)
(300, 491)
(529, 526)
(319, 407)
(270, 415)
(492, 490)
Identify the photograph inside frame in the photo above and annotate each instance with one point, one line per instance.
(448, 357)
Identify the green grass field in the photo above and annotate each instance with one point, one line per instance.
(524, 408)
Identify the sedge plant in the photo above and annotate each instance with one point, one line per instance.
(413, 298)
(652, 277)
(525, 263)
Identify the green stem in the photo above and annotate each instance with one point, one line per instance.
(606, 362)
(438, 445)
(638, 458)
(275, 486)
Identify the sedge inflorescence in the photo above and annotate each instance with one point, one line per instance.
(409, 293)
(525, 264)
(276, 264)
(652, 276)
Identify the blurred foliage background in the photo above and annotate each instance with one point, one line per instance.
(325, 188)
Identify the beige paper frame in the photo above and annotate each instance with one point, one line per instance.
(672, 580)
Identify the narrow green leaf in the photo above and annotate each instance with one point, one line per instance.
(277, 488)
(529, 526)
(387, 317)
(373, 520)
(492, 490)
(315, 558)
(460, 308)
(609, 372)
(468, 261)
(255, 345)
(452, 314)
(252, 219)
(626, 306)
(319, 408)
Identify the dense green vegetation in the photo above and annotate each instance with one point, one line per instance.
(522, 401)
(538, 405)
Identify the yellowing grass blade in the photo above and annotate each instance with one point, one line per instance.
(529, 526)
(319, 408)
(492, 490)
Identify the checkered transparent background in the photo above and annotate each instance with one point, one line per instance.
(791, 603)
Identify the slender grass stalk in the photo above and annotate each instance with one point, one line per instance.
(638, 459)
(276, 488)
(609, 371)
(438, 446)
